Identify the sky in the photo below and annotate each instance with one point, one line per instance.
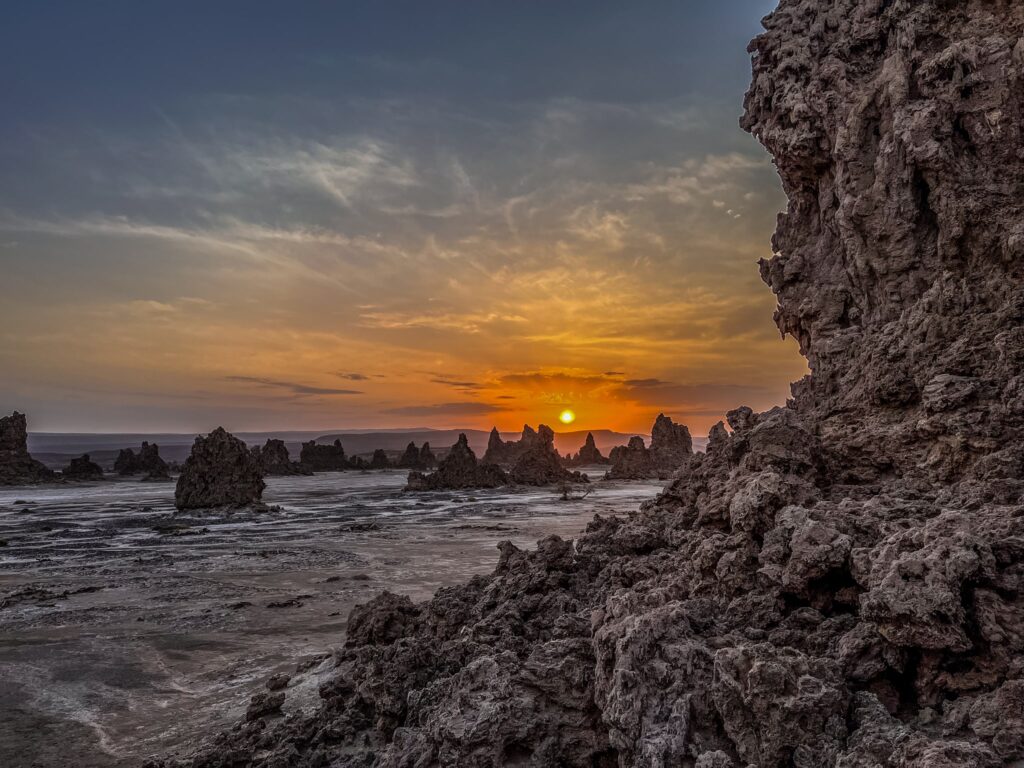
(304, 215)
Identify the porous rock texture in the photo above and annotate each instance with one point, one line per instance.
(275, 460)
(17, 467)
(82, 468)
(220, 472)
(839, 582)
(538, 462)
(459, 470)
(324, 458)
(146, 462)
(588, 455)
(671, 450)
(507, 453)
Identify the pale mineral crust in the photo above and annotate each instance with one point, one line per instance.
(220, 472)
(839, 582)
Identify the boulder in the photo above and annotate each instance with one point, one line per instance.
(220, 472)
(82, 469)
(17, 467)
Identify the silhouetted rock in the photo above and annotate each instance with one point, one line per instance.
(588, 455)
(838, 583)
(82, 469)
(17, 467)
(671, 449)
(427, 458)
(274, 460)
(507, 453)
(459, 470)
(411, 459)
(146, 462)
(323, 458)
(539, 462)
(380, 460)
(671, 444)
(220, 472)
(631, 462)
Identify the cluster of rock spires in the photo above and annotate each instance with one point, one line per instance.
(146, 462)
(588, 455)
(839, 582)
(419, 459)
(671, 449)
(531, 461)
(82, 469)
(17, 467)
(274, 460)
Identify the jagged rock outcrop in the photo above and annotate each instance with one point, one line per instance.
(275, 460)
(427, 458)
(631, 462)
(82, 469)
(671, 450)
(17, 467)
(380, 460)
(507, 453)
(671, 444)
(836, 583)
(146, 462)
(539, 463)
(323, 458)
(412, 458)
(459, 470)
(588, 455)
(220, 472)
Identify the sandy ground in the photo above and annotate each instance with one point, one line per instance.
(125, 629)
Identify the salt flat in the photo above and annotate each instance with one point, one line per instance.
(125, 628)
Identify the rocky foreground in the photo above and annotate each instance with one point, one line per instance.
(839, 582)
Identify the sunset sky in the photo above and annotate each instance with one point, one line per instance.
(382, 214)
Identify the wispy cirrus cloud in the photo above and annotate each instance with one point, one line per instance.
(290, 386)
(467, 409)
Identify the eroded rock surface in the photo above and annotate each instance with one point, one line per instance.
(274, 460)
(589, 454)
(220, 472)
(82, 468)
(538, 462)
(324, 458)
(671, 450)
(17, 467)
(458, 470)
(839, 582)
(147, 462)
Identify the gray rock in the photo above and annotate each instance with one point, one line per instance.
(17, 467)
(220, 472)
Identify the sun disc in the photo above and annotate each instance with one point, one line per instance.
(567, 416)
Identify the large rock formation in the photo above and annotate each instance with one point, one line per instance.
(146, 462)
(17, 467)
(588, 455)
(671, 450)
(274, 460)
(839, 582)
(539, 463)
(380, 460)
(323, 458)
(82, 469)
(413, 457)
(507, 453)
(427, 458)
(220, 472)
(459, 470)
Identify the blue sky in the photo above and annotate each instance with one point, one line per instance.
(220, 212)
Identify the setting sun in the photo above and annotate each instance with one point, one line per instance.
(567, 416)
